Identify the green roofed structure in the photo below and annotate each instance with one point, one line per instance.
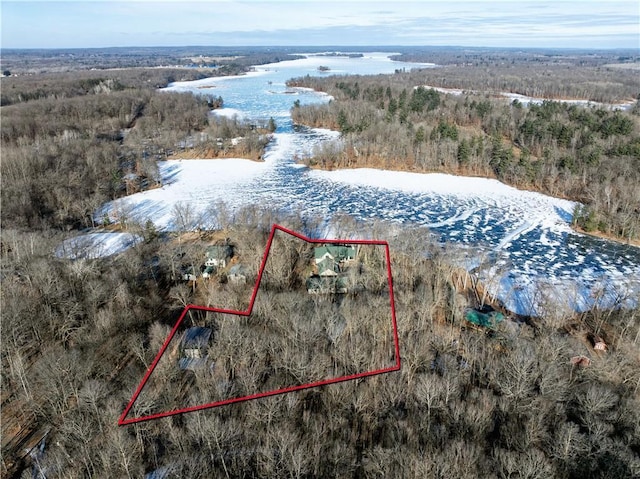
(338, 253)
(489, 319)
(332, 259)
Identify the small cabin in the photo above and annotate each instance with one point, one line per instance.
(193, 348)
(189, 273)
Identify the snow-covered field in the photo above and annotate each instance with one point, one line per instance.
(96, 245)
(228, 113)
(190, 192)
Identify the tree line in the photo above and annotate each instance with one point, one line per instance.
(205, 60)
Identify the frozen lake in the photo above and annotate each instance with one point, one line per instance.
(521, 242)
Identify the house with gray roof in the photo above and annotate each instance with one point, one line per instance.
(193, 348)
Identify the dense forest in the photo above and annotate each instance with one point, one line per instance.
(78, 336)
(530, 398)
(588, 154)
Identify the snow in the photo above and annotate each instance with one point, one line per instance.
(529, 100)
(418, 182)
(193, 186)
(228, 113)
(475, 193)
(208, 83)
(96, 245)
(549, 296)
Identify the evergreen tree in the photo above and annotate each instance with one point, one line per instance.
(464, 152)
(343, 122)
(271, 126)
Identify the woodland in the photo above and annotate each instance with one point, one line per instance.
(78, 335)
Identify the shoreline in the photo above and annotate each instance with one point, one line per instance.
(595, 234)
(198, 155)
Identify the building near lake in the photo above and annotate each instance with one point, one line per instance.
(333, 258)
(218, 255)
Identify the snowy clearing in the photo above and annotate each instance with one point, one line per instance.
(190, 189)
(96, 245)
(529, 100)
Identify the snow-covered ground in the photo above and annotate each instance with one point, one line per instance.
(228, 113)
(190, 192)
(529, 100)
(96, 245)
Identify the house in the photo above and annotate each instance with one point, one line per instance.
(218, 255)
(333, 259)
(331, 262)
(208, 271)
(193, 348)
(189, 273)
(237, 274)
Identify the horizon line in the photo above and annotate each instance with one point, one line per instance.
(300, 47)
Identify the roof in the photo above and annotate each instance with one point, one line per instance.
(488, 320)
(219, 251)
(327, 267)
(196, 337)
(193, 364)
(160, 473)
(337, 252)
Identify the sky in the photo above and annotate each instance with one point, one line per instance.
(502, 23)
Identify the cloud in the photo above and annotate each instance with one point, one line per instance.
(478, 23)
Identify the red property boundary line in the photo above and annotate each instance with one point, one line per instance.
(122, 421)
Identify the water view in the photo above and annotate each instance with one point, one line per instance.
(519, 242)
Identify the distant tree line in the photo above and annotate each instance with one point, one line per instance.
(500, 57)
(20, 89)
(228, 60)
